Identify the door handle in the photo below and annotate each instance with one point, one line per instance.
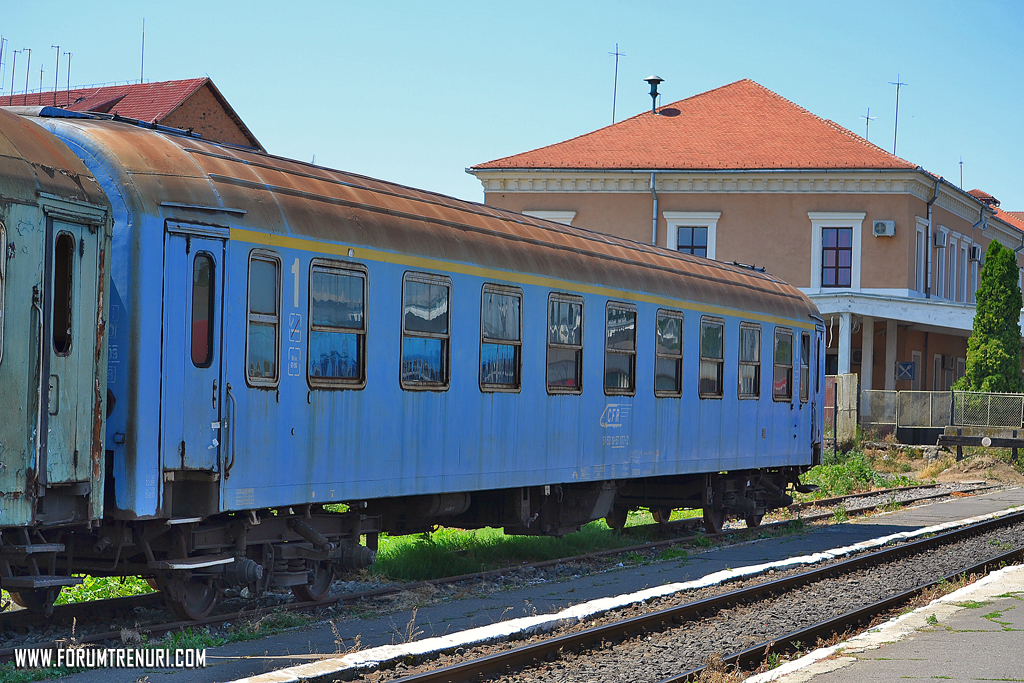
(215, 394)
(232, 408)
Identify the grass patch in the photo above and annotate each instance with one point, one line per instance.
(451, 552)
(9, 674)
(851, 472)
(103, 587)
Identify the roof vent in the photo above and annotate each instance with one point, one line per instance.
(984, 198)
(654, 81)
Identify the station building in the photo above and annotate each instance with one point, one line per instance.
(193, 103)
(889, 252)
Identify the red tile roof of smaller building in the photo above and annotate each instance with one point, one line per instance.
(144, 101)
(1013, 218)
(984, 197)
(740, 126)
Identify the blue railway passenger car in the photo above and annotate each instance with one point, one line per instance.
(283, 336)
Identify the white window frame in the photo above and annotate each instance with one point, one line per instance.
(920, 250)
(952, 248)
(836, 219)
(691, 219)
(940, 265)
(563, 217)
(962, 293)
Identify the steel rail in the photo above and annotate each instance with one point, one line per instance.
(517, 658)
(823, 629)
(22, 619)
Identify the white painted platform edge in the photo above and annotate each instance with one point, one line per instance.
(377, 656)
(1006, 580)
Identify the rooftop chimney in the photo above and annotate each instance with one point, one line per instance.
(984, 198)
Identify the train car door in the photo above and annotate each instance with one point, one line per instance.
(191, 383)
(69, 351)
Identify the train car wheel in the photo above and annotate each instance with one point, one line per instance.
(616, 519)
(317, 589)
(190, 599)
(661, 515)
(753, 521)
(714, 519)
(39, 600)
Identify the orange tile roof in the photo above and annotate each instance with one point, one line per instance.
(1012, 218)
(742, 125)
(983, 197)
(144, 101)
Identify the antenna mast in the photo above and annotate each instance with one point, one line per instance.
(615, 85)
(68, 104)
(28, 68)
(867, 123)
(14, 65)
(2, 41)
(40, 86)
(142, 64)
(895, 125)
(56, 72)
(961, 173)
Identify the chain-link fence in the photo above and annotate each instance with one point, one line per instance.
(976, 409)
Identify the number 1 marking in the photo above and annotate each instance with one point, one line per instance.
(295, 272)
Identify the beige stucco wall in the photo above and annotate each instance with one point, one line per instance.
(772, 230)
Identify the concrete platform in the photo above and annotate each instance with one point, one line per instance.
(239, 660)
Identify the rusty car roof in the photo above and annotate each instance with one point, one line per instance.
(34, 161)
(290, 198)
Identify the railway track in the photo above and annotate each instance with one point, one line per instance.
(681, 532)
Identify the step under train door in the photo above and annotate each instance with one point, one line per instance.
(191, 388)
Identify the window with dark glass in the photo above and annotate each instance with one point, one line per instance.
(750, 360)
(836, 257)
(201, 328)
(620, 350)
(565, 344)
(264, 319)
(425, 331)
(3, 281)
(712, 357)
(500, 338)
(337, 325)
(782, 378)
(692, 240)
(63, 292)
(805, 366)
(668, 356)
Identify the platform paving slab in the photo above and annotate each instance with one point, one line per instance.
(240, 660)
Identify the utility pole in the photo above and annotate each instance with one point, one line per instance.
(895, 126)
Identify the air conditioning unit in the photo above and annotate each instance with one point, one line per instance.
(884, 228)
(975, 252)
(940, 239)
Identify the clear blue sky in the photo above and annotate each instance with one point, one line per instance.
(415, 92)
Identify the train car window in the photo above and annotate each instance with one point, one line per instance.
(63, 292)
(782, 379)
(712, 357)
(750, 360)
(3, 283)
(337, 325)
(565, 344)
(805, 366)
(668, 355)
(264, 320)
(620, 350)
(425, 331)
(501, 338)
(201, 328)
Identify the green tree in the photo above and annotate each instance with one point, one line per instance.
(994, 349)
